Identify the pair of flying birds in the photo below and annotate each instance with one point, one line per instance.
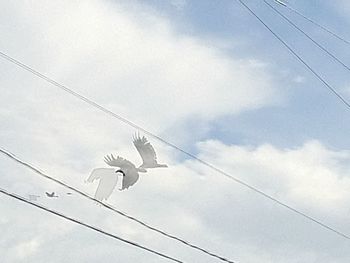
(108, 177)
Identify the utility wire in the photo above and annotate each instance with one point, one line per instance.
(312, 21)
(22, 199)
(305, 34)
(205, 163)
(296, 55)
(329, 87)
(37, 171)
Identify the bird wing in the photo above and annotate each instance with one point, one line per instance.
(145, 149)
(130, 178)
(98, 173)
(118, 162)
(107, 181)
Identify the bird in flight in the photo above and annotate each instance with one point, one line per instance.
(147, 152)
(108, 177)
(52, 194)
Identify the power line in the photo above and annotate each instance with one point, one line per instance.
(37, 171)
(305, 34)
(22, 199)
(330, 88)
(296, 55)
(205, 163)
(312, 21)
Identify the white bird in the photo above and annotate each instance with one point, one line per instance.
(107, 176)
(129, 170)
(108, 179)
(147, 152)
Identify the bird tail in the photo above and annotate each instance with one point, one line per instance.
(141, 169)
(162, 165)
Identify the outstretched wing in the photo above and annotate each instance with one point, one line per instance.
(130, 178)
(118, 162)
(107, 182)
(98, 173)
(145, 149)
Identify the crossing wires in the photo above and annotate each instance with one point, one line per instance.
(313, 22)
(306, 35)
(297, 56)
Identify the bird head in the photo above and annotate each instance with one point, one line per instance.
(120, 171)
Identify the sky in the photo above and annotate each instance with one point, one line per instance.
(204, 75)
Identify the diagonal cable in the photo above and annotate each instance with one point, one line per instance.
(328, 86)
(306, 35)
(71, 219)
(205, 163)
(313, 22)
(37, 171)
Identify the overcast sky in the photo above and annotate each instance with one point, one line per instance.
(204, 75)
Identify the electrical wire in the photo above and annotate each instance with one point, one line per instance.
(305, 34)
(328, 86)
(313, 22)
(103, 232)
(109, 207)
(205, 163)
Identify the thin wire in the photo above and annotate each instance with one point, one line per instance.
(296, 55)
(305, 34)
(22, 199)
(205, 163)
(313, 22)
(37, 171)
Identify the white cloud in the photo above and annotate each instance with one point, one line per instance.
(188, 198)
(309, 176)
(135, 63)
(26, 249)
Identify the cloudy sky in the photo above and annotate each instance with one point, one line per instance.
(204, 75)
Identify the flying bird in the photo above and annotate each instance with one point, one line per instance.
(108, 179)
(129, 170)
(52, 194)
(147, 152)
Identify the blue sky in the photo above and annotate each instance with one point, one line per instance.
(311, 111)
(202, 74)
